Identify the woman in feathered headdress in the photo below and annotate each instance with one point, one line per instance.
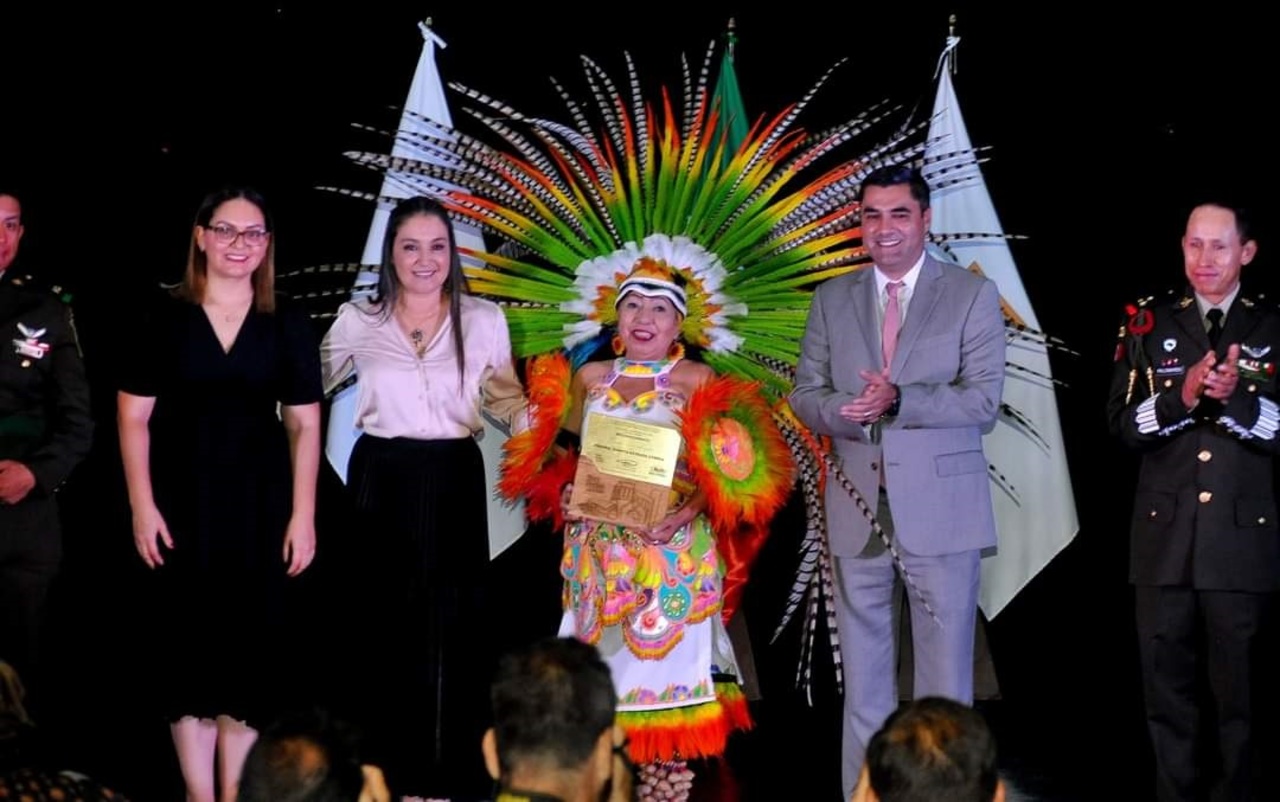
(650, 596)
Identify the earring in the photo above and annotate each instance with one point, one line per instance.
(619, 348)
(676, 351)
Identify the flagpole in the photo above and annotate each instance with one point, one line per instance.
(425, 111)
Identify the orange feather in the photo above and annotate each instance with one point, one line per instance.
(526, 454)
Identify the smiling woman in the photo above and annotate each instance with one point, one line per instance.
(645, 563)
(421, 253)
(221, 485)
(431, 357)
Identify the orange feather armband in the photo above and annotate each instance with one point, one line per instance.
(533, 468)
(736, 454)
(743, 466)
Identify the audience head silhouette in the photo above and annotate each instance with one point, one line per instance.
(931, 750)
(308, 758)
(553, 724)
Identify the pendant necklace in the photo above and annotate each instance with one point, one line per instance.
(423, 329)
(418, 336)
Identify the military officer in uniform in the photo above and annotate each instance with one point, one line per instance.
(45, 431)
(1194, 391)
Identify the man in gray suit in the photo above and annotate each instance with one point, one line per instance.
(903, 366)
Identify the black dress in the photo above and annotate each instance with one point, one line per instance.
(222, 480)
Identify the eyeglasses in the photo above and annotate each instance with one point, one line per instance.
(224, 234)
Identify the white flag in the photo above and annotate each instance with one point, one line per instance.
(426, 100)
(1041, 520)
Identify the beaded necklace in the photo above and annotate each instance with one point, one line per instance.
(659, 370)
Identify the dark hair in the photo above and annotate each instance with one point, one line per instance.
(933, 750)
(7, 190)
(307, 757)
(1243, 215)
(551, 701)
(8, 193)
(389, 283)
(892, 175)
(197, 273)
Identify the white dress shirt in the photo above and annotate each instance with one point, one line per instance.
(904, 292)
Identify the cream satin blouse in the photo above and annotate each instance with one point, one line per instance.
(401, 395)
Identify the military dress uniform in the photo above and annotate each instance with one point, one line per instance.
(1204, 543)
(45, 424)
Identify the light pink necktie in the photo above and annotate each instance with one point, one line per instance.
(892, 323)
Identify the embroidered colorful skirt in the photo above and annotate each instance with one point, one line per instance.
(653, 611)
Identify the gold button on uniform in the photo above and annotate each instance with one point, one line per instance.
(1253, 388)
(1205, 497)
(1205, 455)
(1168, 383)
(1262, 521)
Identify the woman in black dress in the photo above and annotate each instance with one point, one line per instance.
(219, 421)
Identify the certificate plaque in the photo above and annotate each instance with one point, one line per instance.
(625, 471)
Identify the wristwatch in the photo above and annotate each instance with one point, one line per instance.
(892, 410)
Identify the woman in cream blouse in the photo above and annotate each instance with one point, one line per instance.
(430, 357)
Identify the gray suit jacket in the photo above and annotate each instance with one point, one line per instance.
(949, 366)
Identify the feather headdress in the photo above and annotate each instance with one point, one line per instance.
(748, 227)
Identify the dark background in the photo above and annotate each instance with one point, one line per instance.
(115, 122)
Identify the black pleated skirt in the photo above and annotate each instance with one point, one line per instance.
(422, 570)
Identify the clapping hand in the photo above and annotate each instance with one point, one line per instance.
(16, 481)
(1221, 382)
(876, 397)
(1210, 378)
